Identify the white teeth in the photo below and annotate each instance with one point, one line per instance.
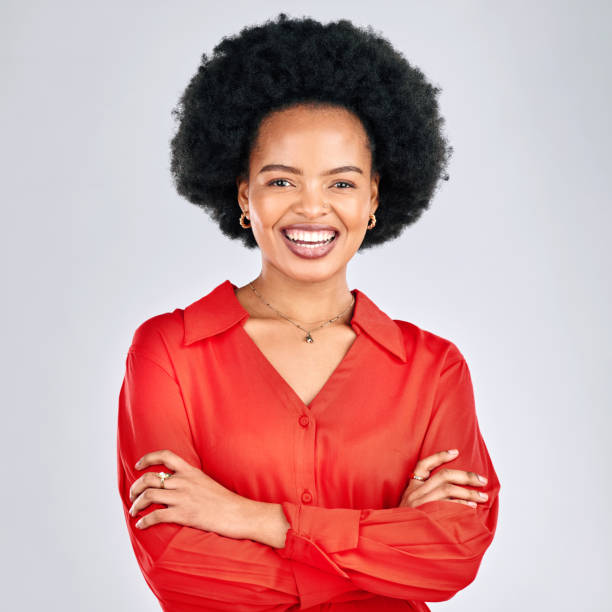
(310, 246)
(314, 237)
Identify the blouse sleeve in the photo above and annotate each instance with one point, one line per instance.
(186, 568)
(427, 553)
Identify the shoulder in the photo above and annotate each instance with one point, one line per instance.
(167, 328)
(170, 332)
(159, 336)
(422, 343)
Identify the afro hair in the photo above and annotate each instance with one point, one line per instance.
(289, 61)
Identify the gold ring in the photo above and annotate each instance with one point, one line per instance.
(163, 476)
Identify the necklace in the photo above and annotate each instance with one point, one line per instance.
(308, 337)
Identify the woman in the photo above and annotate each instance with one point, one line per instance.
(285, 444)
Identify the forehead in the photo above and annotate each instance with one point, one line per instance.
(304, 129)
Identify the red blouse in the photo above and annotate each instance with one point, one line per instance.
(197, 384)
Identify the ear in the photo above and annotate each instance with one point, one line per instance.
(242, 185)
(374, 192)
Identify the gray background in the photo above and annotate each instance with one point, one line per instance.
(511, 263)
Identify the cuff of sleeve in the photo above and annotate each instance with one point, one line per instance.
(316, 532)
(317, 587)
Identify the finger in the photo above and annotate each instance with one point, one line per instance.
(442, 495)
(471, 504)
(461, 477)
(151, 496)
(162, 515)
(427, 464)
(152, 480)
(162, 457)
(459, 492)
(447, 490)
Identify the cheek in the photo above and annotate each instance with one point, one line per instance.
(354, 214)
(267, 209)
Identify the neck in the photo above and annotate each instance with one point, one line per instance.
(303, 301)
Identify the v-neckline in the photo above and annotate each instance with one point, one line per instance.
(282, 386)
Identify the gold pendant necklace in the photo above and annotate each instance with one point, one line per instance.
(308, 337)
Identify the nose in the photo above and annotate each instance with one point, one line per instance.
(311, 202)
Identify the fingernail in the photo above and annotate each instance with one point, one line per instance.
(453, 451)
(482, 478)
(471, 503)
(483, 495)
(139, 524)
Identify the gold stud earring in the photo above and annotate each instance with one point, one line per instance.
(242, 218)
(373, 219)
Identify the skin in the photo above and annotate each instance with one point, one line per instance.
(313, 141)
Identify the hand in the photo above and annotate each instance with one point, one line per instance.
(440, 485)
(192, 498)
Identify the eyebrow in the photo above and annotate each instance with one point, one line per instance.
(293, 170)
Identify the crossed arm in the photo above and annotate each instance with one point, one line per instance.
(232, 553)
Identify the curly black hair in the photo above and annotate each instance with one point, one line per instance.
(288, 61)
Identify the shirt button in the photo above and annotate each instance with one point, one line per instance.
(306, 497)
(304, 420)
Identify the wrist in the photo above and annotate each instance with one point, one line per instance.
(267, 523)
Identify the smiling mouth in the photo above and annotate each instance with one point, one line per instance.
(314, 248)
(310, 243)
(303, 238)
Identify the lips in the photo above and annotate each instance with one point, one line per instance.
(310, 251)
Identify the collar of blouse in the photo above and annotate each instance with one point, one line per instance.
(220, 309)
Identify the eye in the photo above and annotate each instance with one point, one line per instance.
(344, 183)
(275, 181)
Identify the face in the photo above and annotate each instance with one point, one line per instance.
(310, 169)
